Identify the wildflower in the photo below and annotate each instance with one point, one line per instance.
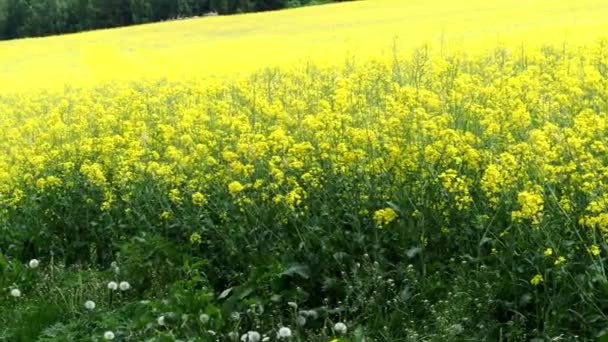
(301, 320)
(34, 263)
(175, 196)
(548, 251)
(284, 332)
(537, 280)
(594, 250)
(89, 305)
(251, 336)
(161, 320)
(235, 187)
(385, 216)
(165, 215)
(204, 318)
(115, 267)
(559, 260)
(112, 286)
(16, 293)
(340, 328)
(199, 199)
(233, 335)
(124, 286)
(312, 314)
(108, 335)
(195, 238)
(531, 204)
(235, 316)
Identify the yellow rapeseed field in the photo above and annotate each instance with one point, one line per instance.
(389, 158)
(330, 33)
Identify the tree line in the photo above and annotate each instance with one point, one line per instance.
(31, 18)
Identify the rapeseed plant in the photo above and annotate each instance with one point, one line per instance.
(478, 162)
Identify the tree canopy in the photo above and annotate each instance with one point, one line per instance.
(31, 18)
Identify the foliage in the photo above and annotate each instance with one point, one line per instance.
(431, 197)
(29, 18)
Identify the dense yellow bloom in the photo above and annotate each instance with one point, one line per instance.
(235, 187)
(385, 216)
(484, 145)
(199, 199)
(531, 207)
(175, 196)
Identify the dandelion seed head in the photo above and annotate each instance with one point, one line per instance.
(204, 318)
(340, 328)
(284, 332)
(89, 305)
(124, 286)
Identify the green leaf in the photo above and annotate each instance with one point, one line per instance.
(225, 293)
(299, 269)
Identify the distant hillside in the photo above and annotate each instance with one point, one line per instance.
(227, 44)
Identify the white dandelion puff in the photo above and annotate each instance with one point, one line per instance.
(89, 305)
(16, 293)
(204, 318)
(124, 286)
(112, 286)
(34, 263)
(252, 336)
(284, 332)
(108, 335)
(340, 328)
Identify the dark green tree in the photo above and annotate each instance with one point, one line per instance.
(25, 18)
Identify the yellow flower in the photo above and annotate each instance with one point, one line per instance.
(385, 216)
(548, 251)
(195, 238)
(560, 260)
(594, 250)
(235, 187)
(199, 199)
(531, 207)
(165, 215)
(175, 196)
(537, 280)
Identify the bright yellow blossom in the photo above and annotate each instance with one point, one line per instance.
(385, 216)
(235, 187)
